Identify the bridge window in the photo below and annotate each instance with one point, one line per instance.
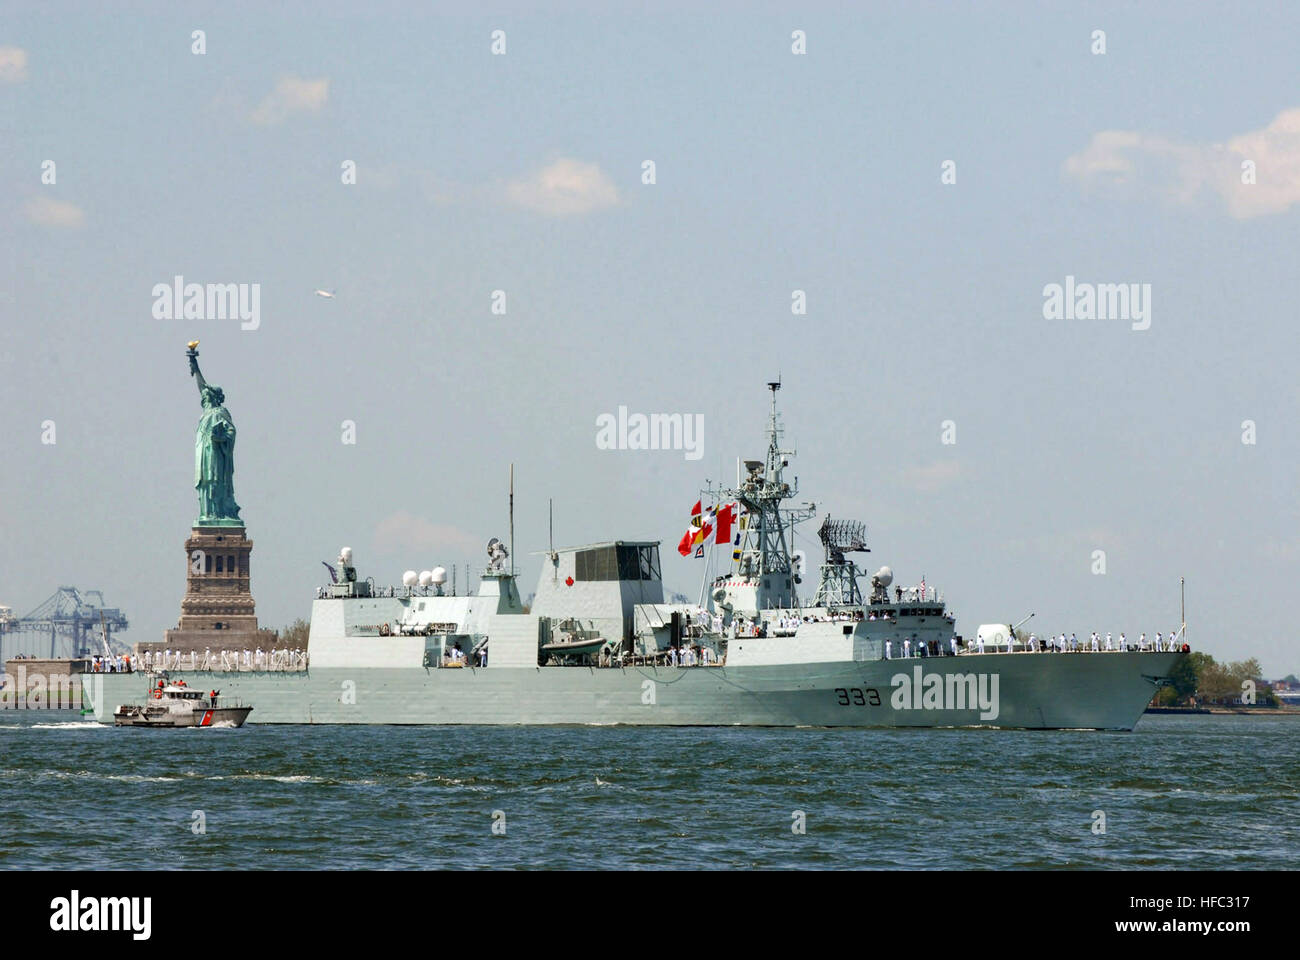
(598, 564)
(617, 563)
(221, 563)
(650, 563)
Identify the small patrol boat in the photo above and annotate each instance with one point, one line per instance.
(576, 644)
(179, 705)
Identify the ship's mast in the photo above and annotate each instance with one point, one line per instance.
(765, 550)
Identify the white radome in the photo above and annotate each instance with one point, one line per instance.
(439, 575)
(409, 578)
(426, 578)
(885, 576)
(346, 554)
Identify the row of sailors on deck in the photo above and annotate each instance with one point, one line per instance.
(922, 648)
(257, 659)
(117, 664)
(784, 625)
(690, 656)
(1056, 644)
(1059, 644)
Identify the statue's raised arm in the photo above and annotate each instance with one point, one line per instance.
(193, 354)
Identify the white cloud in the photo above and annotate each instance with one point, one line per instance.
(13, 64)
(932, 476)
(403, 532)
(291, 94)
(1186, 170)
(565, 188)
(45, 211)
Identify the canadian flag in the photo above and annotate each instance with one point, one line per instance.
(726, 517)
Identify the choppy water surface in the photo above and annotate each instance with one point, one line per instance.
(1187, 792)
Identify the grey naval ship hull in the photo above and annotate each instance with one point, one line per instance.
(1107, 691)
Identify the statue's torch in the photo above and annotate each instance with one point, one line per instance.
(193, 354)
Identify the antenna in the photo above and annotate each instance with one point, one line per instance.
(839, 537)
(550, 524)
(1182, 606)
(512, 519)
(103, 635)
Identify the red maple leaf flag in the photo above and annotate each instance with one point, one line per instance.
(725, 517)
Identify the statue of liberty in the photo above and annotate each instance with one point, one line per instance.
(214, 454)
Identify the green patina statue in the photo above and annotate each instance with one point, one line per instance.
(214, 454)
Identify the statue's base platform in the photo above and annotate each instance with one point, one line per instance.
(198, 641)
(218, 611)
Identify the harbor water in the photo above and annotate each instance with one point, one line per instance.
(1185, 792)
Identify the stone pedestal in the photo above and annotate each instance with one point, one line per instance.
(218, 611)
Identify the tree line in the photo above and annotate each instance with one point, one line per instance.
(1199, 679)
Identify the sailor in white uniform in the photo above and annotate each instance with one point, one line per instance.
(953, 644)
(1094, 641)
(1123, 642)
(907, 648)
(888, 650)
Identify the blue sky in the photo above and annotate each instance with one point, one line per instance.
(774, 173)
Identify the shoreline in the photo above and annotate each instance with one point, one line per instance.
(1225, 711)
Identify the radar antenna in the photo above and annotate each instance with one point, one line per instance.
(838, 586)
(839, 537)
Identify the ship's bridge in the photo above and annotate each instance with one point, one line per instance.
(600, 583)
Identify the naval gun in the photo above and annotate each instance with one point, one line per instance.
(497, 554)
(346, 583)
(997, 634)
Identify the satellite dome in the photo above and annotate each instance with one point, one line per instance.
(439, 575)
(426, 578)
(885, 576)
(409, 578)
(346, 553)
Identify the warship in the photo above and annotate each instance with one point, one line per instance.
(599, 644)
